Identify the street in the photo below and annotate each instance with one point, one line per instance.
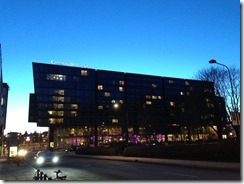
(85, 169)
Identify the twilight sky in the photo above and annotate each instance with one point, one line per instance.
(173, 38)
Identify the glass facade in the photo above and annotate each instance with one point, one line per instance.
(83, 106)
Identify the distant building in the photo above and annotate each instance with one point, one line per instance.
(13, 139)
(3, 107)
(83, 106)
(3, 103)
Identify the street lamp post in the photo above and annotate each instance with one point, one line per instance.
(212, 61)
(215, 62)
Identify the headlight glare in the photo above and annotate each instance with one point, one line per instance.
(40, 160)
(55, 159)
(22, 152)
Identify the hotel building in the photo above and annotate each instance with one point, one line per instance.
(83, 106)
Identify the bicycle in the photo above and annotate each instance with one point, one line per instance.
(59, 177)
(39, 175)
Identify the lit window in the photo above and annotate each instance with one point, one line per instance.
(100, 107)
(186, 83)
(58, 99)
(50, 113)
(121, 83)
(154, 85)
(171, 81)
(148, 102)
(181, 93)
(59, 91)
(172, 104)
(154, 97)
(188, 93)
(115, 120)
(121, 89)
(58, 106)
(58, 113)
(73, 113)
(51, 121)
(121, 101)
(148, 96)
(72, 131)
(107, 94)
(211, 115)
(210, 105)
(57, 77)
(55, 120)
(100, 87)
(84, 72)
(74, 106)
(159, 97)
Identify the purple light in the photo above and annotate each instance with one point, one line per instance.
(135, 139)
(159, 136)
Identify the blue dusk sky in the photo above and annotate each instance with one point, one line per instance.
(173, 38)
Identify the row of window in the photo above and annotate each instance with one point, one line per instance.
(100, 88)
(84, 85)
(61, 99)
(57, 106)
(61, 69)
(74, 89)
(60, 120)
(131, 81)
(52, 121)
(116, 130)
(71, 111)
(60, 72)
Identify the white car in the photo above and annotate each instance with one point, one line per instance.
(46, 157)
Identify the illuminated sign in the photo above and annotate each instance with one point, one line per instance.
(13, 151)
(70, 64)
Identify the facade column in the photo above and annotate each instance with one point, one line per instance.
(51, 138)
(96, 137)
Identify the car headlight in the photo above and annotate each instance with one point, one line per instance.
(40, 160)
(55, 159)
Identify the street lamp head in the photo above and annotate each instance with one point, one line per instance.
(212, 61)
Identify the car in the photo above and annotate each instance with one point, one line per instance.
(46, 157)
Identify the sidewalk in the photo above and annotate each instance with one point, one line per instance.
(3, 158)
(189, 163)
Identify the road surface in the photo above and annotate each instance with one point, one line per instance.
(85, 169)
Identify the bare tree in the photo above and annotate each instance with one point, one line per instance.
(225, 85)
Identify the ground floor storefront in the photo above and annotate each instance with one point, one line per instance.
(82, 136)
